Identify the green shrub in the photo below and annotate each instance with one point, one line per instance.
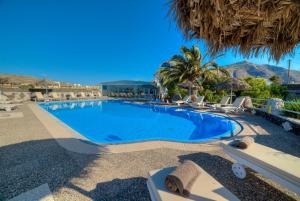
(278, 91)
(259, 88)
(211, 96)
(292, 107)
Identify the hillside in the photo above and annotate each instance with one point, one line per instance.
(19, 79)
(245, 69)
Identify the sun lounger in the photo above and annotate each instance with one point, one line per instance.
(204, 188)
(276, 165)
(5, 100)
(54, 96)
(71, 96)
(223, 103)
(237, 106)
(81, 95)
(90, 95)
(186, 100)
(15, 100)
(198, 103)
(38, 96)
(8, 107)
(97, 94)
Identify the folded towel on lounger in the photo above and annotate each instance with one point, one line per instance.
(242, 143)
(182, 178)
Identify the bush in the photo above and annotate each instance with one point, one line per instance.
(292, 107)
(213, 97)
(278, 91)
(259, 88)
(175, 90)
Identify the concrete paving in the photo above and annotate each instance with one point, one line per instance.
(31, 157)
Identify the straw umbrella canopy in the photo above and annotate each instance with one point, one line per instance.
(251, 27)
(44, 83)
(234, 85)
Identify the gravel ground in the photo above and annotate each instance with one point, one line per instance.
(29, 157)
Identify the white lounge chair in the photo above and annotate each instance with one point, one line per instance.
(71, 96)
(224, 102)
(235, 107)
(8, 107)
(199, 103)
(5, 100)
(185, 100)
(54, 96)
(90, 95)
(81, 95)
(16, 99)
(204, 188)
(38, 96)
(97, 94)
(276, 165)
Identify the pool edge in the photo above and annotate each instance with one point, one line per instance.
(75, 142)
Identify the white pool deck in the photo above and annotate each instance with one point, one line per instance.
(80, 144)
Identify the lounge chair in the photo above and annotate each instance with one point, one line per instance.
(63, 96)
(204, 188)
(81, 95)
(97, 94)
(54, 96)
(38, 96)
(16, 99)
(185, 100)
(8, 107)
(224, 102)
(88, 95)
(71, 96)
(235, 107)
(4, 99)
(198, 103)
(276, 165)
(130, 95)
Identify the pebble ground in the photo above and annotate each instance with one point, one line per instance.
(30, 157)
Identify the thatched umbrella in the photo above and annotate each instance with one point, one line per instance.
(234, 85)
(44, 83)
(249, 26)
(192, 88)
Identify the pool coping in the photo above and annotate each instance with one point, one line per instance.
(73, 141)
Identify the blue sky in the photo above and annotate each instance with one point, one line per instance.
(91, 41)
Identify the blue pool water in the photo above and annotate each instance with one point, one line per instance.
(112, 122)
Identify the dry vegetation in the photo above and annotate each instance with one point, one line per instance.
(249, 26)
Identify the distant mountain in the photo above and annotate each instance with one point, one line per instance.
(246, 69)
(19, 79)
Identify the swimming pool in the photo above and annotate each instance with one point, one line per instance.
(114, 122)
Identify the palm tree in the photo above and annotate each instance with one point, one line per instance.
(189, 69)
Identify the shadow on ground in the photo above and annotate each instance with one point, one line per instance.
(27, 165)
(247, 189)
(272, 135)
(118, 189)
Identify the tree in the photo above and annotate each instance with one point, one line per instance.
(275, 79)
(259, 88)
(190, 69)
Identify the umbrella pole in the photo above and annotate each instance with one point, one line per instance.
(231, 94)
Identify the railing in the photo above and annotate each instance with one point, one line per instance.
(291, 108)
(259, 102)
